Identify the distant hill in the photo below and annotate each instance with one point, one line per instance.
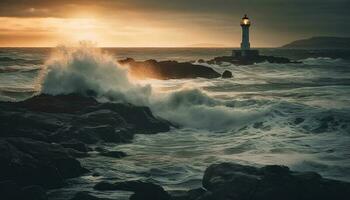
(320, 43)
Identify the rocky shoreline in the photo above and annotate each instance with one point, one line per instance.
(42, 138)
(230, 181)
(236, 60)
(165, 70)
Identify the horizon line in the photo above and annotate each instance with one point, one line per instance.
(158, 47)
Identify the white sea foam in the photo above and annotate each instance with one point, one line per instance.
(86, 69)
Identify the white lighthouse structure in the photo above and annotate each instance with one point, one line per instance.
(245, 51)
(245, 24)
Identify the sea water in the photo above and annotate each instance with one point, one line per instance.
(296, 115)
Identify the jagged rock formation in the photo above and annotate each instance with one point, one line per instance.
(168, 69)
(250, 60)
(41, 137)
(234, 181)
(230, 181)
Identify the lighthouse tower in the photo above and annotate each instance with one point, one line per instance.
(245, 51)
(245, 24)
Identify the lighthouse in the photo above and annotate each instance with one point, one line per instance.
(245, 24)
(245, 51)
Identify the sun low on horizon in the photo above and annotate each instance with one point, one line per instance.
(155, 23)
(174, 99)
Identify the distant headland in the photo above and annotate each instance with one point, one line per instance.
(320, 43)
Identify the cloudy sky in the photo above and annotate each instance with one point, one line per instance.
(166, 23)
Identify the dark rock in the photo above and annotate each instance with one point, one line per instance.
(15, 122)
(190, 195)
(33, 192)
(57, 104)
(142, 120)
(201, 61)
(168, 69)
(109, 134)
(86, 196)
(234, 181)
(41, 136)
(77, 154)
(66, 118)
(227, 74)
(250, 60)
(30, 162)
(142, 190)
(126, 61)
(9, 190)
(75, 144)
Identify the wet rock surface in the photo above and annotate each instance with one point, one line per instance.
(234, 181)
(142, 190)
(230, 181)
(9, 190)
(39, 147)
(72, 120)
(41, 138)
(31, 162)
(168, 69)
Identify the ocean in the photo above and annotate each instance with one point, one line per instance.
(296, 115)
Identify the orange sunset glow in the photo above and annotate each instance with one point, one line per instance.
(174, 99)
(154, 23)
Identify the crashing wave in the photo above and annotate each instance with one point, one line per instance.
(86, 70)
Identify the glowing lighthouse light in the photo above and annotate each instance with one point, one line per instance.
(245, 24)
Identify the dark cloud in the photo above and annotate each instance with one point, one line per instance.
(290, 18)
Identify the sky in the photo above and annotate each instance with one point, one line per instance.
(168, 23)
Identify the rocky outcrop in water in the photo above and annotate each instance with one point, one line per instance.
(142, 190)
(28, 167)
(227, 74)
(233, 181)
(64, 118)
(41, 137)
(236, 60)
(230, 181)
(168, 69)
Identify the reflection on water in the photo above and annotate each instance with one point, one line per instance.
(291, 114)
